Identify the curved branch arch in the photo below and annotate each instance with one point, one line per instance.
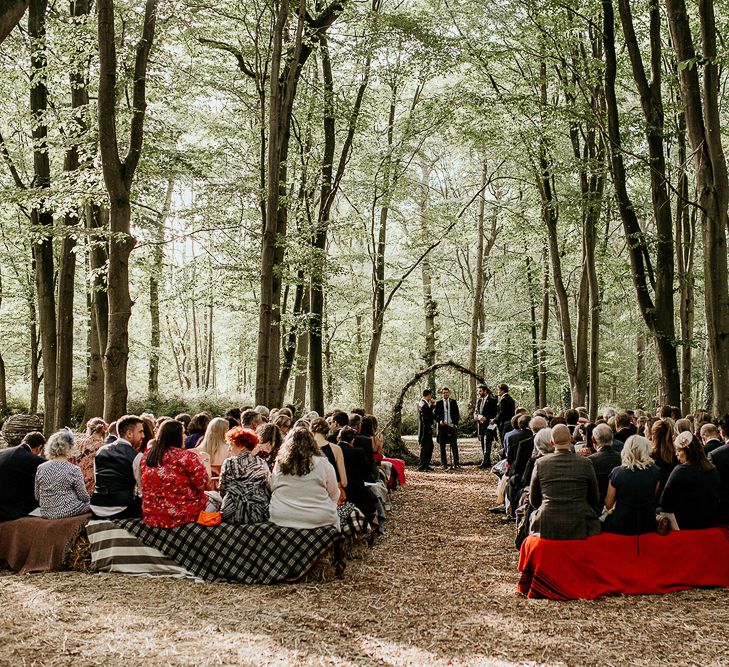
(393, 436)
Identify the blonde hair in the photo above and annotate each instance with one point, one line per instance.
(60, 444)
(636, 453)
(214, 440)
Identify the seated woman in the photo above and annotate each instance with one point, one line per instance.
(632, 490)
(662, 452)
(213, 448)
(304, 489)
(269, 439)
(283, 422)
(196, 429)
(88, 444)
(173, 480)
(59, 484)
(692, 490)
(244, 480)
(320, 429)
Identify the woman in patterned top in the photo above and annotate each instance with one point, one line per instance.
(173, 480)
(59, 485)
(244, 480)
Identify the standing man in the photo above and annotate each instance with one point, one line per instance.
(425, 429)
(505, 411)
(486, 407)
(447, 416)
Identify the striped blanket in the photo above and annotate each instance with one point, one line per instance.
(114, 549)
(253, 554)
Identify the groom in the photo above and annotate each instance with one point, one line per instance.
(447, 416)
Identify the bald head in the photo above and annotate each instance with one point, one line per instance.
(561, 437)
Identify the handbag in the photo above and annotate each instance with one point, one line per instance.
(342, 496)
(210, 518)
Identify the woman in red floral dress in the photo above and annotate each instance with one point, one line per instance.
(173, 480)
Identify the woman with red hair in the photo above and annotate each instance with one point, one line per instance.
(244, 480)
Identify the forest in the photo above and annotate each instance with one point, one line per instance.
(309, 201)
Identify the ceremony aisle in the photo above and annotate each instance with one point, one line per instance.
(440, 589)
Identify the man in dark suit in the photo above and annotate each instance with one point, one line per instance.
(604, 459)
(710, 437)
(522, 448)
(564, 491)
(357, 468)
(447, 416)
(425, 429)
(365, 444)
(624, 428)
(720, 458)
(505, 411)
(484, 412)
(18, 466)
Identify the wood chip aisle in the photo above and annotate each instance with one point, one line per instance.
(439, 590)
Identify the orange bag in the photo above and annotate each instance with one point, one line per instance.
(342, 496)
(210, 518)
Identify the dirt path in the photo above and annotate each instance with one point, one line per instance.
(439, 590)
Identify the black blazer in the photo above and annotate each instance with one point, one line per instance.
(440, 411)
(357, 467)
(720, 458)
(506, 409)
(18, 466)
(488, 410)
(604, 461)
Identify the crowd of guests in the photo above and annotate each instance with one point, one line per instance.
(629, 472)
(251, 465)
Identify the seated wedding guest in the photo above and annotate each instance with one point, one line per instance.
(213, 448)
(88, 445)
(632, 490)
(663, 452)
(244, 480)
(150, 426)
(283, 423)
(369, 429)
(710, 437)
(304, 491)
(683, 426)
(116, 472)
(693, 489)
(250, 419)
(59, 484)
(18, 466)
(337, 421)
(564, 491)
(720, 458)
(604, 459)
(264, 412)
(542, 445)
(624, 428)
(357, 473)
(184, 418)
(270, 439)
(320, 429)
(196, 429)
(173, 480)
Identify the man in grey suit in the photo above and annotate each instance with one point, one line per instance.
(564, 491)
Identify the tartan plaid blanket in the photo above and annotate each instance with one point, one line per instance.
(261, 553)
(352, 520)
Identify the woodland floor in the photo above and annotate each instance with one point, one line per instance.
(440, 589)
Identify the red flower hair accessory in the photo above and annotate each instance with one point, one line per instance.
(242, 438)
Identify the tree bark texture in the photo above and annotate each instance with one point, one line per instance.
(118, 177)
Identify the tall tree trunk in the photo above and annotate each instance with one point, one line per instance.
(300, 362)
(11, 12)
(3, 379)
(41, 217)
(660, 326)
(544, 332)
(640, 368)
(96, 221)
(703, 121)
(154, 278)
(79, 10)
(118, 177)
(533, 330)
(477, 302)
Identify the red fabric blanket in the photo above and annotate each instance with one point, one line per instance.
(32, 544)
(399, 465)
(609, 564)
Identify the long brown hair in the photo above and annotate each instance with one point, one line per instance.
(170, 434)
(662, 439)
(295, 457)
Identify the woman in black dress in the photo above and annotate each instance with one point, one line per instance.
(632, 490)
(692, 490)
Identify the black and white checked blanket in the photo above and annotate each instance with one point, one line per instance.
(352, 520)
(261, 553)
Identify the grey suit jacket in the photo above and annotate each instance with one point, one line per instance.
(564, 491)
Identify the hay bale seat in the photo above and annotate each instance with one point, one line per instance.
(609, 564)
(16, 427)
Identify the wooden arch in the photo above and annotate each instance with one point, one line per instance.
(394, 444)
